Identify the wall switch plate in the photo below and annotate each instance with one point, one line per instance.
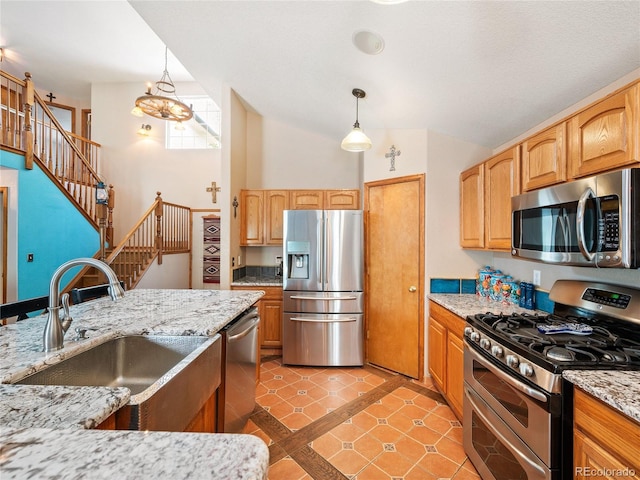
(536, 278)
(29, 257)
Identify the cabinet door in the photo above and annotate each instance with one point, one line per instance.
(307, 199)
(605, 136)
(271, 323)
(455, 372)
(501, 182)
(544, 159)
(437, 352)
(342, 199)
(589, 457)
(472, 207)
(251, 217)
(276, 201)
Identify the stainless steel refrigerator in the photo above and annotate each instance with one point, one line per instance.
(323, 270)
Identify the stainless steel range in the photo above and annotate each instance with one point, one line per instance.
(517, 408)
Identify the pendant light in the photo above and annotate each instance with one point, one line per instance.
(356, 141)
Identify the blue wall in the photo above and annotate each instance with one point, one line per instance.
(49, 227)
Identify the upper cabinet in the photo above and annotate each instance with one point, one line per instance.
(501, 182)
(485, 201)
(262, 217)
(606, 135)
(472, 207)
(544, 158)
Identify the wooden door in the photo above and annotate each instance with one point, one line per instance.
(501, 182)
(472, 207)
(394, 281)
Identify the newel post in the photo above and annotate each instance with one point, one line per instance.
(29, 102)
(158, 212)
(110, 206)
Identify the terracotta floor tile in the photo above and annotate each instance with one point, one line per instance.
(296, 421)
(281, 410)
(327, 445)
(452, 450)
(371, 472)
(427, 403)
(301, 399)
(437, 423)
(364, 420)
(287, 469)
(368, 446)
(348, 394)
(314, 411)
(347, 432)
(385, 433)
(379, 410)
(424, 435)
(413, 411)
(268, 400)
(349, 462)
(393, 463)
(438, 465)
(405, 393)
(418, 473)
(331, 401)
(410, 448)
(401, 422)
(445, 412)
(392, 402)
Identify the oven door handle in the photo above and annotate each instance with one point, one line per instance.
(582, 206)
(480, 411)
(515, 383)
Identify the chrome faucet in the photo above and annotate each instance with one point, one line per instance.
(54, 330)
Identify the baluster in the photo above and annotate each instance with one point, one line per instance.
(110, 207)
(28, 133)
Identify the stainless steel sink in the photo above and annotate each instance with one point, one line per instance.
(170, 377)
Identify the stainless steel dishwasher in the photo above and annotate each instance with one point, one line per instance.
(237, 395)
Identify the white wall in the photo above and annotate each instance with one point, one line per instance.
(173, 273)
(140, 166)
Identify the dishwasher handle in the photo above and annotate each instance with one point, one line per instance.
(255, 320)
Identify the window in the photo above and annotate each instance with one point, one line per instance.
(200, 132)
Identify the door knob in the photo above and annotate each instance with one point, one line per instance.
(412, 288)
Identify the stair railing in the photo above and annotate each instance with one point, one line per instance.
(27, 125)
(163, 228)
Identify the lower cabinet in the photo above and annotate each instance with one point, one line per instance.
(605, 442)
(446, 358)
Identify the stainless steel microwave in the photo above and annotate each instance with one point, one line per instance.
(593, 221)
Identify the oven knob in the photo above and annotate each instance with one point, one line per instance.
(468, 331)
(497, 351)
(475, 336)
(512, 361)
(526, 370)
(485, 343)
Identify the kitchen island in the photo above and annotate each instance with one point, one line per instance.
(44, 432)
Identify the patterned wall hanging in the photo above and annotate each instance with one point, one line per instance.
(211, 250)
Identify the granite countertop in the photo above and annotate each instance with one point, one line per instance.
(258, 281)
(466, 304)
(617, 388)
(41, 418)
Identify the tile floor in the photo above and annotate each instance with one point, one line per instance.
(355, 423)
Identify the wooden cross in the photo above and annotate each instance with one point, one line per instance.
(214, 189)
(392, 155)
(51, 96)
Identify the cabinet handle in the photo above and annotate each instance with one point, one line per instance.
(412, 289)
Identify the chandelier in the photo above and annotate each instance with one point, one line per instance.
(163, 103)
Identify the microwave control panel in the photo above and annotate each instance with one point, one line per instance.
(609, 223)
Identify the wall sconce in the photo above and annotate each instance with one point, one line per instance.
(102, 195)
(144, 130)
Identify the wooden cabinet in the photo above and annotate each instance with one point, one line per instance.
(485, 201)
(501, 182)
(251, 217)
(605, 443)
(606, 135)
(544, 158)
(261, 216)
(342, 199)
(445, 356)
(270, 311)
(472, 207)
(307, 199)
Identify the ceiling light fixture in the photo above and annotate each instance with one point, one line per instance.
(356, 141)
(163, 103)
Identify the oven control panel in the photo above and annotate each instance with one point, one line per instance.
(516, 363)
(605, 297)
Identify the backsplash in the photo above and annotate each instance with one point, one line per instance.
(468, 285)
(254, 271)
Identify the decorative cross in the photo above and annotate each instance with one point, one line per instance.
(392, 155)
(214, 189)
(51, 96)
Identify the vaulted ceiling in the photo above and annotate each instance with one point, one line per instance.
(482, 71)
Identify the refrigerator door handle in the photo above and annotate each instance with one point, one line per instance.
(324, 299)
(324, 320)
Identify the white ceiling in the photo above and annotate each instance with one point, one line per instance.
(482, 71)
